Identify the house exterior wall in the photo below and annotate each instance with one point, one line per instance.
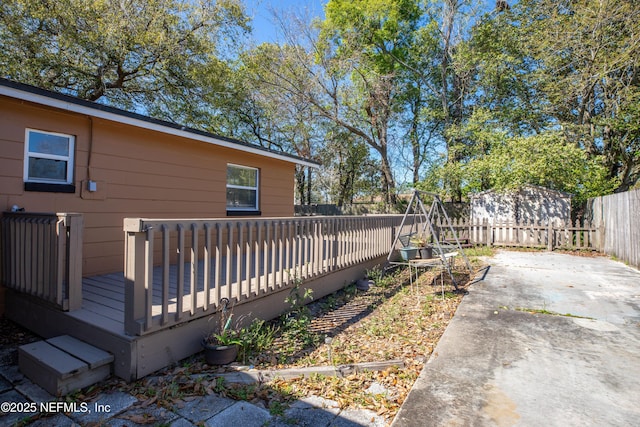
(530, 204)
(139, 173)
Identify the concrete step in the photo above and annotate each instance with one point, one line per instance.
(63, 364)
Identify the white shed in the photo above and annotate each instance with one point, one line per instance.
(529, 204)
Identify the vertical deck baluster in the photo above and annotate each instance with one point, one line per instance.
(239, 291)
(259, 257)
(218, 265)
(265, 255)
(288, 252)
(206, 279)
(317, 244)
(343, 242)
(370, 238)
(338, 242)
(45, 256)
(360, 241)
(274, 243)
(354, 240)
(148, 278)
(315, 239)
(229, 255)
(35, 259)
(297, 250)
(17, 267)
(294, 250)
(331, 238)
(300, 227)
(324, 248)
(281, 254)
(320, 246)
(165, 273)
(53, 256)
(59, 287)
(306, 249)
(38, 285)
(15, 259)
(180, 274)
(355, 244)
(194, 269)
(312, 247)
(248, 260)
(350, 242)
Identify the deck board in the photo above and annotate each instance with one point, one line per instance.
(103, 295)
(113, 293)
(103, 310)
(105, 302)
(89, 317)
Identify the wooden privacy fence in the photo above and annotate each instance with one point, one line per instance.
(177, 270)
(619, 216)
(42, 256)
(509, 234)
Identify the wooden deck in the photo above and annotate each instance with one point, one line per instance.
(103, 302)
(100, 321)
(159, 315)
(103, 295)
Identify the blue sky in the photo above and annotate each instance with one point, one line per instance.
(264, 30)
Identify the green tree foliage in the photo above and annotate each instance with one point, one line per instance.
(150, 54)
(545, 159)
(543, 92)
(365, 42)
(570, 67)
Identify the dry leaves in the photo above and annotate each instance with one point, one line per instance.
(393, 321)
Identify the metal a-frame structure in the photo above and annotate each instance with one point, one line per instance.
(420, 220)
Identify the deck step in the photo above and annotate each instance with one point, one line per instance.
(63, 364)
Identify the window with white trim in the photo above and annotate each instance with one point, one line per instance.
(48, 157)
(242, 188)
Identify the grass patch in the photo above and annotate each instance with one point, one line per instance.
(475, 251)
(550, 313)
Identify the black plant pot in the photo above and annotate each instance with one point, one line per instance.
(426, 252)
(215, 354)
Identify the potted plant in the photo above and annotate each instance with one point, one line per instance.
(221, 346)
(408, 253)
(421, 241)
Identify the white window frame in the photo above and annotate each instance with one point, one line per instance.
(242, 187)
(70, 159)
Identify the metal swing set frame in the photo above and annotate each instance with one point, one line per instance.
(421, 220)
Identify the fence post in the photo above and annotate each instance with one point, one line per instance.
(134, 273)
(550, 236)
(74, 223)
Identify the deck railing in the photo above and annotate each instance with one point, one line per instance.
(42, 256)
(176, 270)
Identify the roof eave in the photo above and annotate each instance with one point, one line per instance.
(76, 105)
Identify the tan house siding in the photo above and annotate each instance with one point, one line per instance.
(139, 172)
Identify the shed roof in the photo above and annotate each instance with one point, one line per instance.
(48, 98)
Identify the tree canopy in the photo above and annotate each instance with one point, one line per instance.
(445, 94)
(154, 55)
